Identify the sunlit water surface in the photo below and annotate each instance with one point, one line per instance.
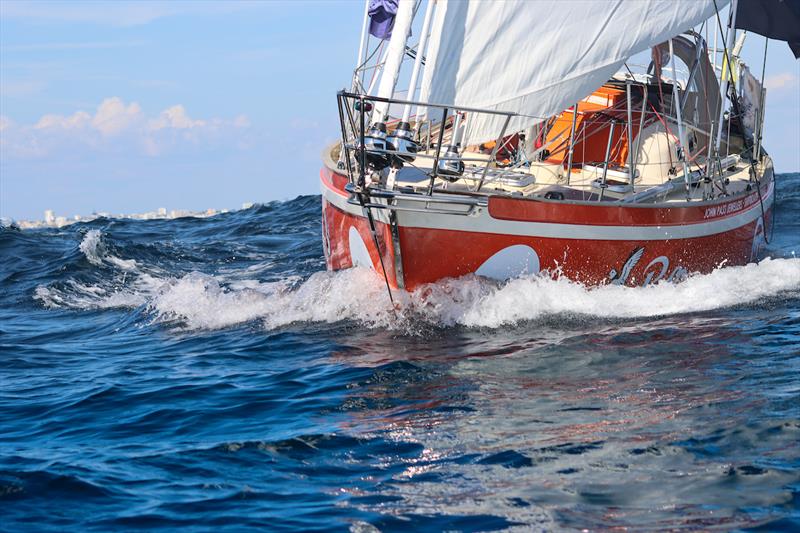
(207, 374)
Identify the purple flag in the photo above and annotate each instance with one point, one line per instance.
(381, 14)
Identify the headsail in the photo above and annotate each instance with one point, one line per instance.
(538, 57)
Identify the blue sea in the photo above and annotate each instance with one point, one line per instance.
(210, 375)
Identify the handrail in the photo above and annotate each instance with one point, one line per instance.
(423, 155)
(472, 211)
(394, 195)
(362, 156)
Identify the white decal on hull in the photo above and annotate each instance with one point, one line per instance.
(619, 278)
(358, 250)
(511, 262)
(655, 271)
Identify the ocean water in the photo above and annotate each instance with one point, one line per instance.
(209, 375)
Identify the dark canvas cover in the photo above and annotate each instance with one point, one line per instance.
(776, 19)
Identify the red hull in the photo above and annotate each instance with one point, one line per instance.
(592, 244)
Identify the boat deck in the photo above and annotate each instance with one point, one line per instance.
(543, 180)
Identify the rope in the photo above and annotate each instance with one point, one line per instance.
(374, 70)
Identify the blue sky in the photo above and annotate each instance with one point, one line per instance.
(131, 106)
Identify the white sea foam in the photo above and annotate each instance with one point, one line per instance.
(531, 298)
(95, 251)
(201, 301)
(75, 295)
(131, 289)
(91, 247)
(357, 294)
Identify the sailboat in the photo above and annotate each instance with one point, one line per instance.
(606, 141)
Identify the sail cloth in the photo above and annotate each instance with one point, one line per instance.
(749, 97)
(538, 57)
(776, 19)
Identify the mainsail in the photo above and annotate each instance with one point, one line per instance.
(538, 57)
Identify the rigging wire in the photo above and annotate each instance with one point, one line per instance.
(738, 115)
(363, 187)
(378, 248)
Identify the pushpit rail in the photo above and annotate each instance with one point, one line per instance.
(355, 116)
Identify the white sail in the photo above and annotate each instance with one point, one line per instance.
(431, 54)
(537, 57)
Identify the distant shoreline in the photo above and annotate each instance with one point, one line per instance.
(51, 220)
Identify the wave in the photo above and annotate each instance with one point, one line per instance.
(531, 298)
(93, 248)
(203, 301)
(132, 289)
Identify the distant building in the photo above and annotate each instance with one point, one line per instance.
(51, 220)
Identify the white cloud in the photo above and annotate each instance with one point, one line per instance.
(174, 117)
(113, 116)
(117, 125)
(782, 80)
(79, 120)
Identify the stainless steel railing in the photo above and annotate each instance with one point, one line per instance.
(361, 155)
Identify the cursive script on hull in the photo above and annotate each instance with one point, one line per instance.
(655, 271)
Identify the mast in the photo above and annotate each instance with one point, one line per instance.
(402, 138)
(362, 48)
(394, 58)
(375, 141)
